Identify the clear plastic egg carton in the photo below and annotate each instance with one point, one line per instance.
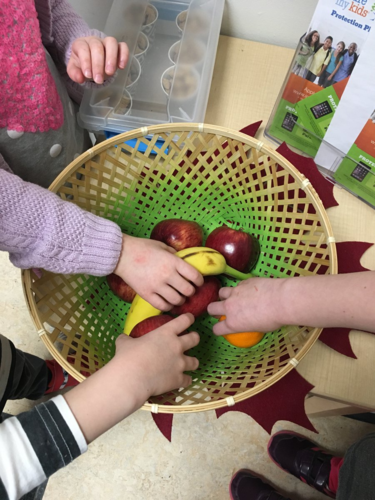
(172, 47)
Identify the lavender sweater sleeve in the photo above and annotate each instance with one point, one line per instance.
(67, 25)
(38, 229)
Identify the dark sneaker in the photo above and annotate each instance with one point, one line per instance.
(302, 458)
(245, 485)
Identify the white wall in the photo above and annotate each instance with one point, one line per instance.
(279, 22)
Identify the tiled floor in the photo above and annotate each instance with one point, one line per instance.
(135, 462)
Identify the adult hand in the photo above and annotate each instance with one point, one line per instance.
(94, 58)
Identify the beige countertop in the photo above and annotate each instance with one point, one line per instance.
(133, 460)
(247, 79)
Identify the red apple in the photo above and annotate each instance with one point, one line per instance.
(149, 324)
(178, 233)
(204, 295)
(120, 288)
(241, 250)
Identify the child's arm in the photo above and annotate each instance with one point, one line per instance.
(67, 26)
(39, 229)
(304, 49)
(77, 49)
(322, 70)
(331, 76)
(35, 444)
(265, 304)
(144, 367)
(154, 272)
(94, 58)
(336, 69)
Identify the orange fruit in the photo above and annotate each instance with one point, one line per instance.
(243, 339)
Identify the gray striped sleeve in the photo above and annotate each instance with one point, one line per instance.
(3, 491)
(35, 444)
(6, 356)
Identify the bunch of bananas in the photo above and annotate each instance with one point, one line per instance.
(207, 261)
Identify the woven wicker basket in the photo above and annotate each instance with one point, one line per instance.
(214, 176)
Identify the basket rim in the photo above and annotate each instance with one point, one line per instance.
(202, 128)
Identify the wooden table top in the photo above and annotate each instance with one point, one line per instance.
(247, 79)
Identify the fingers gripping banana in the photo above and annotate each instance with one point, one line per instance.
(207, 261)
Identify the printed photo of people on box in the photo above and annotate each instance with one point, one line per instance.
(337, 48)
(323, 61)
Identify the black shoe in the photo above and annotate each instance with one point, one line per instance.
(302, 458)
(246, 486)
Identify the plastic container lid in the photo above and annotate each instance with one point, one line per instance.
(151, 104)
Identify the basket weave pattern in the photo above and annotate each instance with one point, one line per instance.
(214, 177)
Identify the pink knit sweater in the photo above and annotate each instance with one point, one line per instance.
(37, 228)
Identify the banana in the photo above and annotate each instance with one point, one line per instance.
(207, 261)
(139, 310)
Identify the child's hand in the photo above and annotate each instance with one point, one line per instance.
(93, 58)
(157, 361)
(253, 305)
(155, 273)
(143, 367)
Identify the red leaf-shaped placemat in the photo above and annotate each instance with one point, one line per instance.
(164, 422)
(349, 254)
(252, 129)
(278, 402)
(284, 400)
(338, 340)
(308, 168)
